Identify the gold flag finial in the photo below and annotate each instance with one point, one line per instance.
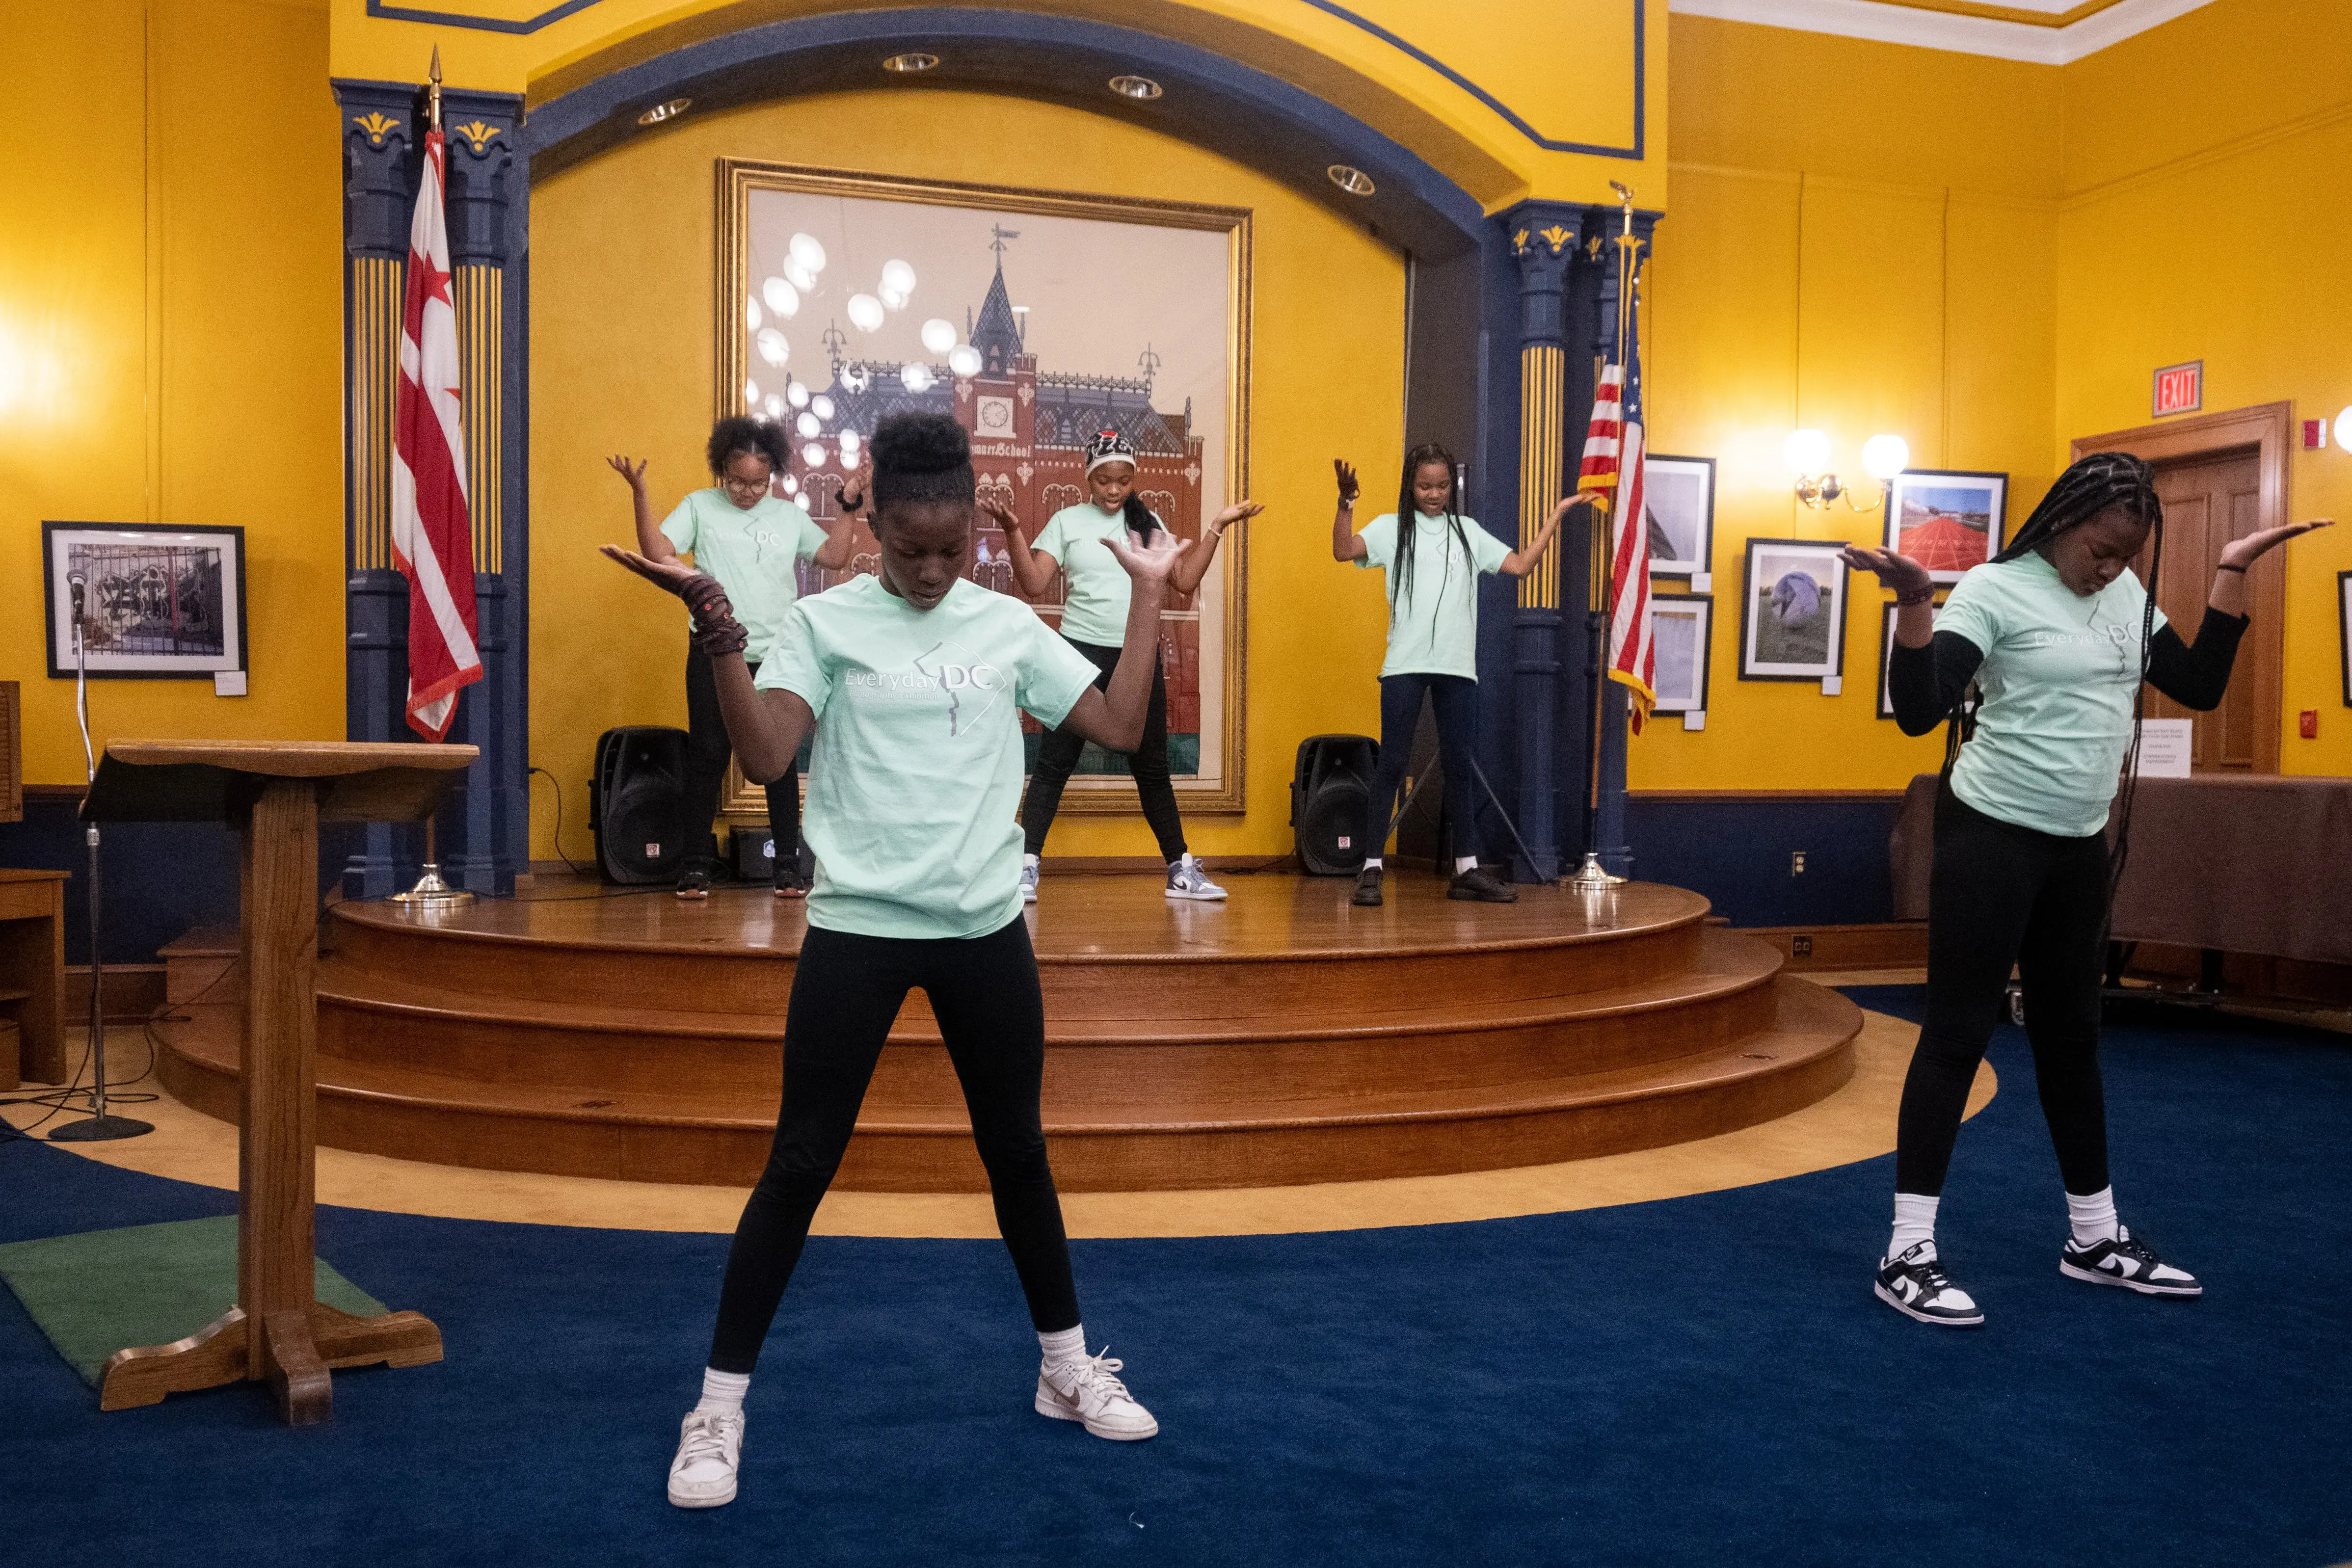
(433, 95)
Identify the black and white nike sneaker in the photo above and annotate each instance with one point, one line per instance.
(1915, 1285)
(2129, 1262)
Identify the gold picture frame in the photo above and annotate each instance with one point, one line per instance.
(739, 181)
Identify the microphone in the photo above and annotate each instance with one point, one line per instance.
(77, 583)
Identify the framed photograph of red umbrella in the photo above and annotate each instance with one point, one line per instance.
(1946, 521)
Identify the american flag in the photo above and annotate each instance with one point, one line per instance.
(1613, 462)
(432, 526)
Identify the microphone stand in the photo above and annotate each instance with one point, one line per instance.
(99, 1126)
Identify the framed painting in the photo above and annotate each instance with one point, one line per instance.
(157, 602)
(1948, 521)
(1679, 624)
(1792, 611)
(1036, 319)
(1679, 495)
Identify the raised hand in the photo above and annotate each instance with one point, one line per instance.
(1346, 476)
(635, 472)
(2244, 552)
(1239, 512)
(1150, 562)
(1899, 572)
(672, 575)
(1001, 514)
(1570, 502)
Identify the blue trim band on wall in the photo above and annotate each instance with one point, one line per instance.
(554, 13)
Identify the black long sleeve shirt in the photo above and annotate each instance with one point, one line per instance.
(1925, 684)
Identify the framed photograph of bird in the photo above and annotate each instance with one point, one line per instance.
(1792, 611)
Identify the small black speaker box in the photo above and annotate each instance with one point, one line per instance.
(1327, 792)
(634, 802)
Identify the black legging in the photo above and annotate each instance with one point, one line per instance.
(1456, 698)
(2003, 894)
(1057, 755)
(846, 992)
(706, 750)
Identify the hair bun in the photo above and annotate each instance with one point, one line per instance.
(921, 443)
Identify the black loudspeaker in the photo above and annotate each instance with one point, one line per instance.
(634, 800)
(751, 851)
(1333, 780)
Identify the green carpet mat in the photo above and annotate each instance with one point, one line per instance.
(104, 1290)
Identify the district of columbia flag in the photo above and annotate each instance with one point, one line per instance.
(1613, 465)
(432, 525)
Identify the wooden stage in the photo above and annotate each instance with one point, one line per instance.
(1282, 1036)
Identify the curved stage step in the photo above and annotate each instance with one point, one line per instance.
(1284, 1037)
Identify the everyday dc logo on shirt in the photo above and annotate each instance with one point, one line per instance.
(971, 685)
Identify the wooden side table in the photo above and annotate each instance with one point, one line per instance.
(33, 968)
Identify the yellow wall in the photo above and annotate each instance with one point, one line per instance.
(1841, 255)
(621, 361)
(171, 312)
(2208, 215)
(1565, 67)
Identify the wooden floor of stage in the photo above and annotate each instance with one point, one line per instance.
(1282, 1035)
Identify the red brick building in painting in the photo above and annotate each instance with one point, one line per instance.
(1029, 434)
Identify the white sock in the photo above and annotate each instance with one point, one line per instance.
(1028, 863)
(1064, 1344)
(722, 1392)
(2093, 1218)
(1465, 862)
(1915, 1221)
(1372, 863)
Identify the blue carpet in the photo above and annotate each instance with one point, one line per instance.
(1705, 1378)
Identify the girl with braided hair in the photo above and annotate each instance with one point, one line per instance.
(1076, 541)
(919, 676)
(1434, 557)
(2058, 639)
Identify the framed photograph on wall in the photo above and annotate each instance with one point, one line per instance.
(2343, 630)
(1678, 494)
(1792, 611)
(1948, 521)
(1886, 652)
(1679, 624)
(158, 603)
(1035, 318)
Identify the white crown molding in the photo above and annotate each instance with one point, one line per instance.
(1900, 23)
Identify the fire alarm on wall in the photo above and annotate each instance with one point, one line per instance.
(2315, 435)
(2307, 723)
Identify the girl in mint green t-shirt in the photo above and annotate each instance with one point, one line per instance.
(1434, 557)
(913, 682)
(752, 541)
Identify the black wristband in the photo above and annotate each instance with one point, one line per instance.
(715, 631)
(1906, 597)
(2225, 566)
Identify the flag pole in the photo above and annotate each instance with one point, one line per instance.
(1591, 876)
(431, 892)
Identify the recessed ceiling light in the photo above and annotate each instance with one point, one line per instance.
(662, 111)
(1354, 182)
(1140, 87)
(909, 64)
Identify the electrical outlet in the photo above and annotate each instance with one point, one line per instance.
(1801, 945)
(1797, 863)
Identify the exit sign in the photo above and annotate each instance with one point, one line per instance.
(2180, 389)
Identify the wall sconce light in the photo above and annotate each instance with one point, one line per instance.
(1807, 452)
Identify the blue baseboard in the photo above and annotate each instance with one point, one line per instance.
(1737, 849)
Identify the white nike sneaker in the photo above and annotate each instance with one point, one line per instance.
(2129, 1262)
(1028, 882)
(1187, 880)
(1915, 1285)
(709, 1446)
(1085, 1390)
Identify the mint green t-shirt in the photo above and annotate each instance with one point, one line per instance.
(1099, 589)
(750, 552)
(1433, 630)
(2058, 678)
(914, 781)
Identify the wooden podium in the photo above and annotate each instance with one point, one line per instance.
(275, 794)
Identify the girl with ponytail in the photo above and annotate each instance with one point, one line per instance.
(2060, 640)
(1434, 557)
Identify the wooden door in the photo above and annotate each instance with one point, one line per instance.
(2208, 501)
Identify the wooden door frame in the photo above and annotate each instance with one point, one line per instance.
(2263, 428)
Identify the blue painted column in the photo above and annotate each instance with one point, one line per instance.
(1544, 237)
(482, 828)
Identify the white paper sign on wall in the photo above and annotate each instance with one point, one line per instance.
(2165, 746)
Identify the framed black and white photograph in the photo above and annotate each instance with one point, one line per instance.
(1947, 520)
(157, 603)
(1679, 624)
(2343, 630)
(1678, 496)
(1886, 652)
(1792, 611)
